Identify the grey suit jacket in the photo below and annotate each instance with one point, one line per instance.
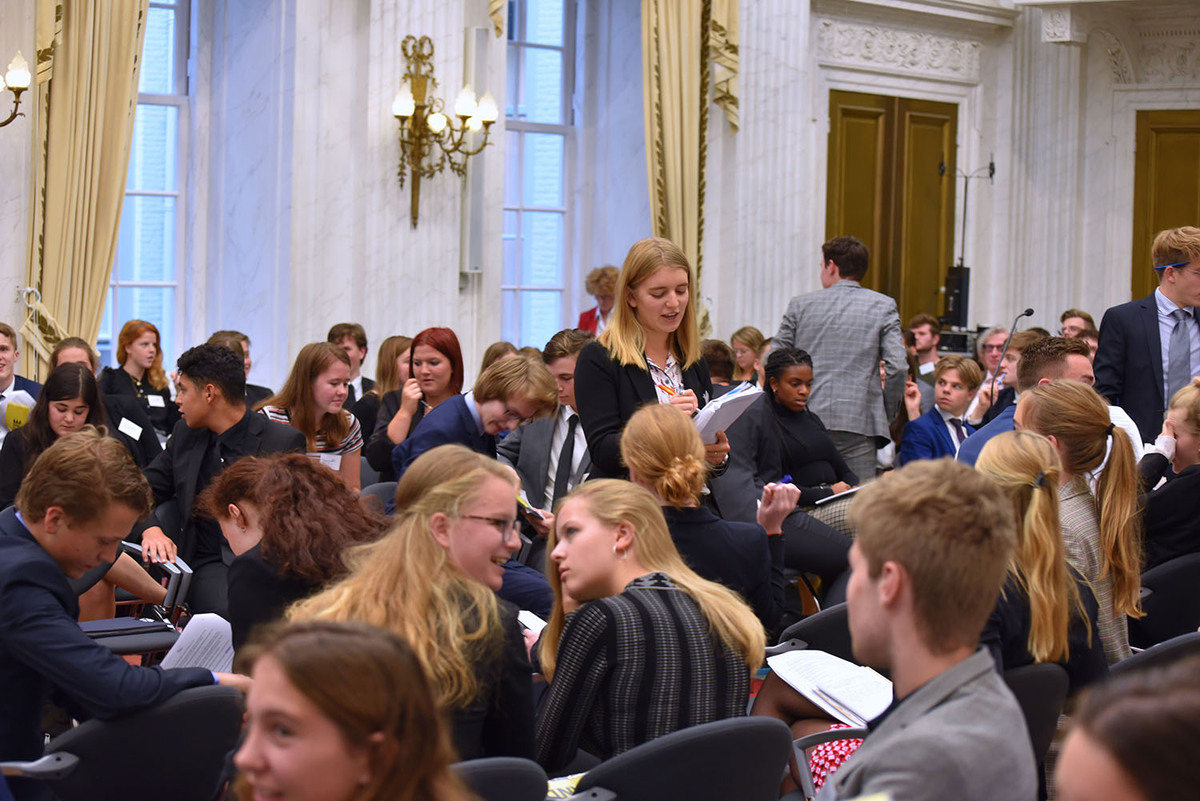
(527, 449)
(848, 329)
(961, 735)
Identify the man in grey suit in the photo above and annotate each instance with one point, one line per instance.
(933, 545)
(550, 455)
(848, 329)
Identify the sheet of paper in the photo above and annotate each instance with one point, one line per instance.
(331, 460)
(129, 428)
(206, 642)
(840, 495)
(156, 401)
(719, 414)
(851, 693)
(528, 507)
(531, 621)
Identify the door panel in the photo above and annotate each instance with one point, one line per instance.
(1166, 185)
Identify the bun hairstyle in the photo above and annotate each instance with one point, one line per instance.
(661, 446)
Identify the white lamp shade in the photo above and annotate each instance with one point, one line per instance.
(436, 122)
(18, 76)
(487, 111)
(403, 105)
(464, 104)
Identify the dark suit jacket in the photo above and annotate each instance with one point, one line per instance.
(256, 394)
(528, 451)
(1128, 363)
(1171, 513)
(32, 387)
(115, 381)
(145, 448)
(41, 645)
(259, 594)
(608, 394)
(450, 423)
(379, 448)
(928, 438)
(754, 462)
(175, 474)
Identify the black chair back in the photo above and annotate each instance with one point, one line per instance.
(827, 630)
(385, 491)
(504, 778)
(738, 758)
(1163, 654)
(1170, 601)
(174, 750)
(1041, 690)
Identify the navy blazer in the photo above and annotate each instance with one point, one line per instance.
(450, 423)
(608, 393)
(174, 475)
(1128, 364)
(41, 645)
(32, 387)
(927, 438)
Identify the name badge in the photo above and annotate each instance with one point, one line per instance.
(156, 401)
(130, 428)
(331, 460)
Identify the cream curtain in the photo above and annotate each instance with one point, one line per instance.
(677, 44)
(87, 79)
(498, 11)
(723, 50)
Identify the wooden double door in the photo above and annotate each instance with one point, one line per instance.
(1166, 187)
(892, 166)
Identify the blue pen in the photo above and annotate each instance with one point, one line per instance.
(785, 480)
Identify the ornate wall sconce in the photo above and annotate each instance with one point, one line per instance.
(16, 80)
(424, 125)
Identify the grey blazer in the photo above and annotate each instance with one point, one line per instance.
(960, 735)
(848, 329)
(527, 449)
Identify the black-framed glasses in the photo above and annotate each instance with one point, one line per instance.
(504, 525)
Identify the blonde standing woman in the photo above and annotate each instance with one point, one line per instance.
(746, 343)
(638, 645)
(1101, 532)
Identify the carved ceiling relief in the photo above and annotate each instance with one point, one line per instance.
(897, 50)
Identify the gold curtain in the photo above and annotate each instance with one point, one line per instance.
(89, 55)
(723, 50)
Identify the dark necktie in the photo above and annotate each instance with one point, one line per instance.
(562, 476)
(1179, 355)
(349, 396)
(959, 431)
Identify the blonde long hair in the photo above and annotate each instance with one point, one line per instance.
(612, 502)
(405, 582)
(1078, 418)
(1026, 466)
(624, 337)
(662, 446)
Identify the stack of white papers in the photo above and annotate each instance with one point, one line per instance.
(850, 693)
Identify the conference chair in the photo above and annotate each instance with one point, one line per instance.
(1161, 655)
(503, 778)
(1170, 601)
(174, 750)
(1041, 690)
(738, 758)
(801, 773)
(384, 491)
(827, 630)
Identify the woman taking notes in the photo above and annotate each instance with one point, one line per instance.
(650, 352)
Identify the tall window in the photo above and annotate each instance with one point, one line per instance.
(145, 278)
(540, 67)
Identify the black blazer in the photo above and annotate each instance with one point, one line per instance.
(754, 462)
(145, 448)
(607, 394)
(1171, 513)
(1128, 363)
(256, 394)
(499, 722)
(175, 474)
(379, 448)
(259, 594)
(41, 645)
(115, 381)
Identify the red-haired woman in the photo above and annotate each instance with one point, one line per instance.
(435, 374)
(141, 375)
(311, 402)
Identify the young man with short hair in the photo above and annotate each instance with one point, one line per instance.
(927, 334)
(719, 358)
(1074, 322)
(76, 505)
(352, 338)
(17, 393)
(217, 429)
(942, 430)
(240, 343)
(510, 392)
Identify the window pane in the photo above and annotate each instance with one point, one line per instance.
(541, 317)
(543, 170)
(146, 248)
(544, 22)
(512, 248)
(542, 248)
(158, 53)
(508, 316)
(104, 340)
(512, 85)
(154, 305)
(512, 167)
(541, 99)
(154, 156)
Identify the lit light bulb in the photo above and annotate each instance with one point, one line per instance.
(404, 105)
(18, 76)
(464, 104)
(474, 123)
(487, 110)
(436, 122)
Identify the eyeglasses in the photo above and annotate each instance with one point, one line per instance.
(993, 348)
(515, 417)
(1181, 266)
(504, 525)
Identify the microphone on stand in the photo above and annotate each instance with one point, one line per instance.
(1011, 331)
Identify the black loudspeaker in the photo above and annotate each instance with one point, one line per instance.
(958, 289)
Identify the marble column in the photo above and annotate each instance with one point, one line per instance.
(16, 33)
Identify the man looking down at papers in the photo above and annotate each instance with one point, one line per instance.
(78, 502)
(934, 540)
